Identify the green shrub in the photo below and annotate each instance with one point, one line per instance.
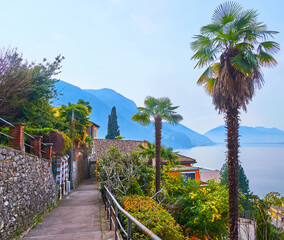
(153, 216)
(135, 189)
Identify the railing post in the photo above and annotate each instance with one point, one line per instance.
(116, 224)
(110, 214)
(128, 229)
(17, 133)
(48, 151)
(36, 143)
(107, 203)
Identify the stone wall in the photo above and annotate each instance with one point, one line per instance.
(27, 189)
(80, 167)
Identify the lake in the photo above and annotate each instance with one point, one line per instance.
(263, 164)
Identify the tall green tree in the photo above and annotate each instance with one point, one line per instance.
(112, 126)
(156, 110)
(27, 89)
(235, 46)
(82, 112)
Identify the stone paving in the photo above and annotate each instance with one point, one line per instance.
(79, 216)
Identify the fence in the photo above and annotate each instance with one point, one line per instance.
(16, 138)
(112, 207)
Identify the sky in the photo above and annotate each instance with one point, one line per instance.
(139, 48)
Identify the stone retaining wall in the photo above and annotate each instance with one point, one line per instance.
(27, 189)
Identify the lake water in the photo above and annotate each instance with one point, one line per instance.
(263, 165)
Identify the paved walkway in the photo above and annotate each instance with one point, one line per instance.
(79, 216)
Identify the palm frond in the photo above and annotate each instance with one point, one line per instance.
(271, 47)
(266, 60)
(210, 29)
(240, 63)
(205, 76)
(172, 118)
(200, 42)
(206, 56)
(141, 118)
(226, 12)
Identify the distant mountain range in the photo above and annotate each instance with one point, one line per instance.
(102, 100)
(249, 135)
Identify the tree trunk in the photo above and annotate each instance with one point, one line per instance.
(232, 124)
(158, 137)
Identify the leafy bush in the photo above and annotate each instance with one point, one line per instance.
(202, 210)
(153, 216)
(61, 142)
(119, 172)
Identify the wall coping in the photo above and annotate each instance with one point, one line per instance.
(21, 153)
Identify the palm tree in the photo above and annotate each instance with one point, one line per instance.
(235, 46)
(167, 154)
(156, 110)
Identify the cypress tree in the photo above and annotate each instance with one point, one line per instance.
(112, 126)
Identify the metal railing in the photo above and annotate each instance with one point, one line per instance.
(8, 136)
(112, 207)
(30, 136)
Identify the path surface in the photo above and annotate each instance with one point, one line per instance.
(79, 216)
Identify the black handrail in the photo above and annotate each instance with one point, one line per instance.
(112, 207)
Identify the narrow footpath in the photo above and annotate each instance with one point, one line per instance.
(79, 216)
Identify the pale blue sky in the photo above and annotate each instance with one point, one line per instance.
(139, 48)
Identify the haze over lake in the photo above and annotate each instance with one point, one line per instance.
(263, 164)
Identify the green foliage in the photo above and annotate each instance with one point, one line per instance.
(146, 178)
(153, 216)
(112, 126)
(135, 189)
(18, 234)
(82, 111)
(119, 137)
(273, 199)
(243, 185)
(154, 107)
(45, 132)
(263, 229)
(120, 172)
(3, 139)
(203, 210)
(167, 154)
(37, 220)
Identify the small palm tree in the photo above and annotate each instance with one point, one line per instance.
(156, 110)
(235, 46)
(167, 154)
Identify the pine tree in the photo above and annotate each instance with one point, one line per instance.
(112, 126)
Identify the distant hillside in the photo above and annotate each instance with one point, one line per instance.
(102, 100)
(249, 135)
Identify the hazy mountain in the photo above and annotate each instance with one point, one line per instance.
(249, 135)
(102, 100)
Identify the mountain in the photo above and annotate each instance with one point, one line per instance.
(249, 135)
(102, 100)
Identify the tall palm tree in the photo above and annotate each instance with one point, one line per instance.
(156, 110)
(235, 46)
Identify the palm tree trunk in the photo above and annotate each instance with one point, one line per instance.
(232, 124)
(158, 137)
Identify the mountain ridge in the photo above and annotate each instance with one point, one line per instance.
(102, 100)
(249, 135)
